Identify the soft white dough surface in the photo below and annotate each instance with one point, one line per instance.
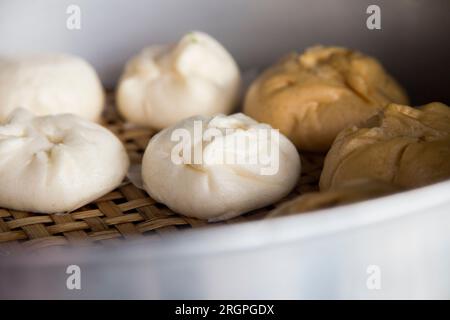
(50, 84)
(165, 84)
(216, 190)
(57, 163)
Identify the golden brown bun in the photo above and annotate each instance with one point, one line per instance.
(313, 96)
(352, 191)
(401, 145)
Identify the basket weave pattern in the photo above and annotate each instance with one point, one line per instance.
(125, 213)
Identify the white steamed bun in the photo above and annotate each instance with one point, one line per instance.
(50, 84)
(218, 185)
(57, 163)
(165, 84)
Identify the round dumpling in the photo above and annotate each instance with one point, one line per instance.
(401, 145)
(219, 167)
(57, 163)
(49, 84)
(165, 84)
(313, 96)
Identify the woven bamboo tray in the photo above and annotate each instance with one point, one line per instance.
(125, 213)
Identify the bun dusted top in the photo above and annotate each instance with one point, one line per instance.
(312, 96)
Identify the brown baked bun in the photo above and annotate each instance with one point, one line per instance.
(313, 96)
(408, 147)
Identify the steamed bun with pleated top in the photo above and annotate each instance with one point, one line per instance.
(404, 146)
(165, 84)
(57, 163)
(312, 96)
(48, 84)
(219, 167)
